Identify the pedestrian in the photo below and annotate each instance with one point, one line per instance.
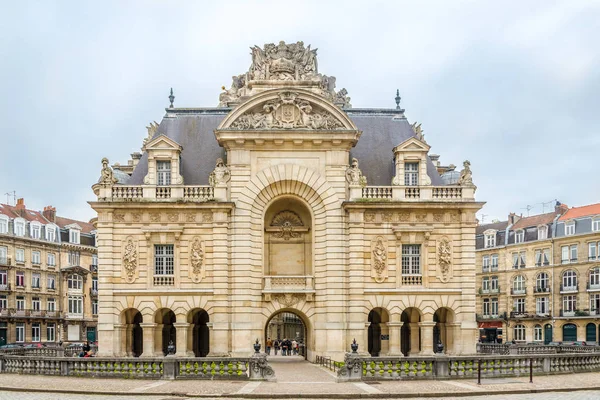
(294, 347)
(269, 345)
(276, 345)
(284, 347)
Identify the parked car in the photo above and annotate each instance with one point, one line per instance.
(11, 346)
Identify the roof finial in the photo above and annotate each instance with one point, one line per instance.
(171, 98)
(397, 99)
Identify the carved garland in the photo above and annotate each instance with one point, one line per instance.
(197, 260)
(379, 260)
(445, 258)
(130, 260)
(288, 299)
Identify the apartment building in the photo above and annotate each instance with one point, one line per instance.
(538, 277)
(48, 284)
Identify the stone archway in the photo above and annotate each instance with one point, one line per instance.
(165, 330)
(132, 345)
(410, 334)
(378, 332)
(200, 334)
(442, 332)
(292, 325)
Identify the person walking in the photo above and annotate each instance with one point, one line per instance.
(276, 346)
(284, 347)
(269, 345)
(294, 347)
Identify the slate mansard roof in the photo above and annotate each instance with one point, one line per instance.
(193, 129)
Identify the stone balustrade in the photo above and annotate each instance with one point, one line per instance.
(191, 193)
(245, 368)
(288, 283)
(356, 367)
(413, 193)
(490, 348)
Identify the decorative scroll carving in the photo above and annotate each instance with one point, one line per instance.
(119, 217)
(445, 258)
(197, 260)
(152, 129)
(173, 217)
(284, 63)
(106, 177)
(421, 217)
(288, 299)
(286, 221)
(287, 112)
(207, 217)
(136, 217)
(404, 217)
(130, 260)
(466, 176)
(191, 217)
(369, 217)
(154, 217)
(354, 175)
(220, 174)
(379, 260)
(418, 132)
(438, 217)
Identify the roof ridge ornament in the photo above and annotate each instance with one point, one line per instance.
(171, 98)
(398, 99)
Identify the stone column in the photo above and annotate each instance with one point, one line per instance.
(449, 347)
(128, 340)
(414, 338)
(148, 329)
(365, 344)
(158, 340)
(121, 345)
(357, 328)
(190, 340)
(181, 338)
(394, 331)
(427, 342)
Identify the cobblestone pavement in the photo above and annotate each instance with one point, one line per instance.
(295, 378)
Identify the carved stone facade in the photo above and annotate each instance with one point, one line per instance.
(276, 216)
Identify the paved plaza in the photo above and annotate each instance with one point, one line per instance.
(297, 378)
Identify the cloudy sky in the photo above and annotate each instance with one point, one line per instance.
(512, 86)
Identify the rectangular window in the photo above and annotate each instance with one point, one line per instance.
(4, 279)
(51, 332)
(411, 259)
(73, 258)
(519, 305)
(3, 225)
(36, 231)
(564, 251)
(20, 255)
(163, 259)
(75, 305)
(542, 232)
(95, 307)
(411, 174)
(494, 283)
(519, 260)
(595, 303)
(596, 224)
(537, 333)
(538, 258)
(573, 249)
(20, 333)
(36, 257)
(95, 260)
(51, 304)
(570, 228)
(20, 303)
(3, 302)
(51, 260)
(494, 306)
(485, 285)
(519, 236)
(485, 262)
(494, 262)
(35, 304)
(486, 307)
(490, 240)
(592, 251)
(50, 233)
(3, 255)
(51, 282)
(546, 256)
(19, 228)
(35, 332)
(74, 236)
(95, 284)
(20, 279)
(569, 303)
(35, 281)
(163, 172)
(541, 305)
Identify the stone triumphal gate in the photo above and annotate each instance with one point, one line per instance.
(285, 199)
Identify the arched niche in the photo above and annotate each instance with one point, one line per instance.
(288, 238)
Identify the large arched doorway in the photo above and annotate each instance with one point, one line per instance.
(198, 320)
(442, 331)
(165, 320)
(378, 333)
(410, 334)
(133, 344)
(590, 333)
(287, 326)
(547, 333)
(569, 333)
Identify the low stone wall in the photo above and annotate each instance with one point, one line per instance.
(248, 368)
(356, 367)
(505, 349)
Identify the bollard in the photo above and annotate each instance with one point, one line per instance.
(530, 370)
(479, 372)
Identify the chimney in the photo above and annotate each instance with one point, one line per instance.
(20, 207)
(513, 218)
(560, 208)
(50, 213)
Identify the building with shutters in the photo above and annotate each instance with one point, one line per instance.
(285, 199)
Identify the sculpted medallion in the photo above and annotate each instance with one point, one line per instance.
(286, 221)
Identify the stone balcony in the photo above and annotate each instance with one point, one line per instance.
(289, 284)
(174, 193)
(413, 193)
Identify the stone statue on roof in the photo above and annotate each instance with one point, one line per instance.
(106, 177)
(220, 174)
(354, 175)
(466, 176)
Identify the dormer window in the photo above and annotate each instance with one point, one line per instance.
(19, 227)
(542, 232)
(163, 173)
(596, 224)
(519, 236)
(411, 174)
(50, 233)
(490, 239)
(570, 228)
(74, 236)
(3, 224)
(35, 230)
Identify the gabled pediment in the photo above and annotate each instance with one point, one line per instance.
(74, 226)
(412, 144)
(162, 142)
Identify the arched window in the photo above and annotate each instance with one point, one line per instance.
(19, 227)
(519, 285)
(537, 333)
(519, 333)
(595, 278)
(3, 224)
(541, 282)
(75, 282)
(569, 280)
